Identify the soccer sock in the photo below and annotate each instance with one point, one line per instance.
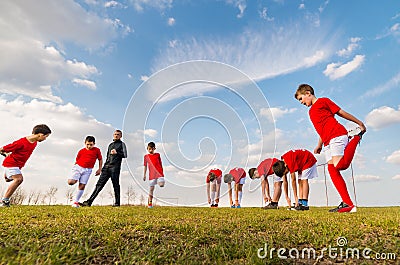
(6, 199)
(304, 202)
(240, 197)
(79, 195)
(301, 201)
(212, 197)
(349, 152)
(340, 184)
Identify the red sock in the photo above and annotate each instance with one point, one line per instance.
(340, 184)
(349, 152)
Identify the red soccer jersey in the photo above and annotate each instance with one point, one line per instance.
(299, 160)
(237, 173)
(155, 165)
(322, 115)
(265, 167)
(20, 150)
(87, 158)
(217, 172)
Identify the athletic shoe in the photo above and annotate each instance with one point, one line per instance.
(75, 205)
(238, 206)
(233, 206)
(301, 207)
(270, 206)
(5, 203)
(348, 209)
(212, 205)
(344, 208)
(150, 205)
(85, 204)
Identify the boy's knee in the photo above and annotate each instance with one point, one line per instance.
(161, 184)
(71, 182)
(18, 179)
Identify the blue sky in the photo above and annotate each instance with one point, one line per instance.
(86, 67)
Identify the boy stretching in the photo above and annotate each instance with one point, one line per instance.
(263, 171)
(239, 176)
(339, 150)
(17, 153)
(213, 181)
(156, 175)
(304, 163)
(84, 163)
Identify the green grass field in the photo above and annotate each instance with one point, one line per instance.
(179, 235)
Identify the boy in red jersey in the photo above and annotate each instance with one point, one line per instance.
(213, 181)
(304, 163)
(156, 175)
(339, 151)
(263, 171)
(239, 176)
(17, 153)
(84, 163)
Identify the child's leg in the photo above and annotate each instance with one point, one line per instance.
(240, 193)
(18, 179)
(340, 184)
(81, 189)
(72, 181)
(213, 191)
(304, 191)
(151, 191)
(277, 191)
(345, 161)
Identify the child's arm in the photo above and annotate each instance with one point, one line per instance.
(230, 193)
(144, 173)
(218, 190)
(208, 193)
(265, 186)
(349, 117)
(294, 187)
(286, 190)
(236, 194)
(100, 167)
(318, 149)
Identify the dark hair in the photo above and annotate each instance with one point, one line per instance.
(251, 172)
(41, 128)
(228, 178)
(302, 89)
(90, 139)
(279, 168)
(151, 144)
(119, 131)
(211, 176)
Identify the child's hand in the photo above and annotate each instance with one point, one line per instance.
(98, 172)
(113, 152)
(318, 150)
(209, 200)
(289, 202)
(144, 178)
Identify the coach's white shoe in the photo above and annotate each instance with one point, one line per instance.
(75, 205)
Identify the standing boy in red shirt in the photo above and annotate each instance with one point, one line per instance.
(304, 163)
(239, 176)
(84, 163)
(263, 171)
(17, 153)
(213, 182)
(339, 151)
(156, 173)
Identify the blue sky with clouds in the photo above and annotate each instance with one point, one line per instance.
(75, 65)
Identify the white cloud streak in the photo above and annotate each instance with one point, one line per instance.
(392, 83)
(353, 45)
(338, 70)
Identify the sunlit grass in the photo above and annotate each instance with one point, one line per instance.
(170, 235)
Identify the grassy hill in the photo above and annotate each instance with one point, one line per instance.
(180, 235)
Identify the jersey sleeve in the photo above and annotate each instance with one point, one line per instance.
(145, 161)
(14, 146)
(334, 108)
(99, 156)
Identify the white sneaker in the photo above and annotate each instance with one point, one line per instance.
(354, 210)
(75, 205)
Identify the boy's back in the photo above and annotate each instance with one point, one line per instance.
(20, 150)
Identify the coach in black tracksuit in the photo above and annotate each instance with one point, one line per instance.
(111, 169)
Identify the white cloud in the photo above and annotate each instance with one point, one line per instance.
(150, 132)
(277, 113)
(259, 53)
(392, 31)
(140, 5)
(337, 70)
(366, 178)
(264, 14)
(382, 117)
(302, 6)
(394, 158)
(112, 4)
(392, 83)
(397, 177)
(172, 43)
(144, 78)
(31, 45)
(86, 83)
(353, 45)
(171, 21)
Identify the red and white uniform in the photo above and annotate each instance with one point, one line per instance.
(265, 167)
(86, 158)
(238, 173)
(322, 115)
(299, 160)
(20, 150)
(217, 172)
(153, 161)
